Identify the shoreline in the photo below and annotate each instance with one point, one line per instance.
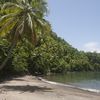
(69, 85)
(33, 88)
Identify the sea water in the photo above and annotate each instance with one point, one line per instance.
(84, 80)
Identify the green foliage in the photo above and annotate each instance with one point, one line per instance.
(51, 55)
(19, 60)
(94, 59)
(22, 19)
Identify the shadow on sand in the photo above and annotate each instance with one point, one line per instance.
(26, 88)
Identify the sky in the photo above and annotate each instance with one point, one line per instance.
(76, 21)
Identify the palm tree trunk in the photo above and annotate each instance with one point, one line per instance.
(8, 56)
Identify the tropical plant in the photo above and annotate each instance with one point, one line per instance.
(23, 19)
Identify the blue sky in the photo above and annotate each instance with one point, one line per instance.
(77, 21)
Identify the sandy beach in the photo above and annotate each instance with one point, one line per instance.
(32, 88)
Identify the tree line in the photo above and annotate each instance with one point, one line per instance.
(51, 55)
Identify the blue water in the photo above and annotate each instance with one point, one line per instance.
(85, 80)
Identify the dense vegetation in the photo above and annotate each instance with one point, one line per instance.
(50, 54)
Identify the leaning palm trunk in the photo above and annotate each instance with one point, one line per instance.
(8, 56)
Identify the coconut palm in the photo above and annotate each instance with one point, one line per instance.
(23, 19)
(3, 1)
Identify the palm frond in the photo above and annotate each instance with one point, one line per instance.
(4, 19)
(7, 27)
(8, 8)
(10, 5)
(41, 5)
(32, 30)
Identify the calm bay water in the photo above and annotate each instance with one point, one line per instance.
(87, 80)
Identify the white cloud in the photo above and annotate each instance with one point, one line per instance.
(92, 46)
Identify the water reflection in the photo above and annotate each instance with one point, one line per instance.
(80, 79)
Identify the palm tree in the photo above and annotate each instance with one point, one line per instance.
(3, 1)
(23, 19)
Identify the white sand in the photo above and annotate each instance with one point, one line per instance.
(30, 88)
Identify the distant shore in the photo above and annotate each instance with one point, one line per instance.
(33, 88)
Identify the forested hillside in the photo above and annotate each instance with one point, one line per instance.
(51, 55)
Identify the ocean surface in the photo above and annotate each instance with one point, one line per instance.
(84, 80)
